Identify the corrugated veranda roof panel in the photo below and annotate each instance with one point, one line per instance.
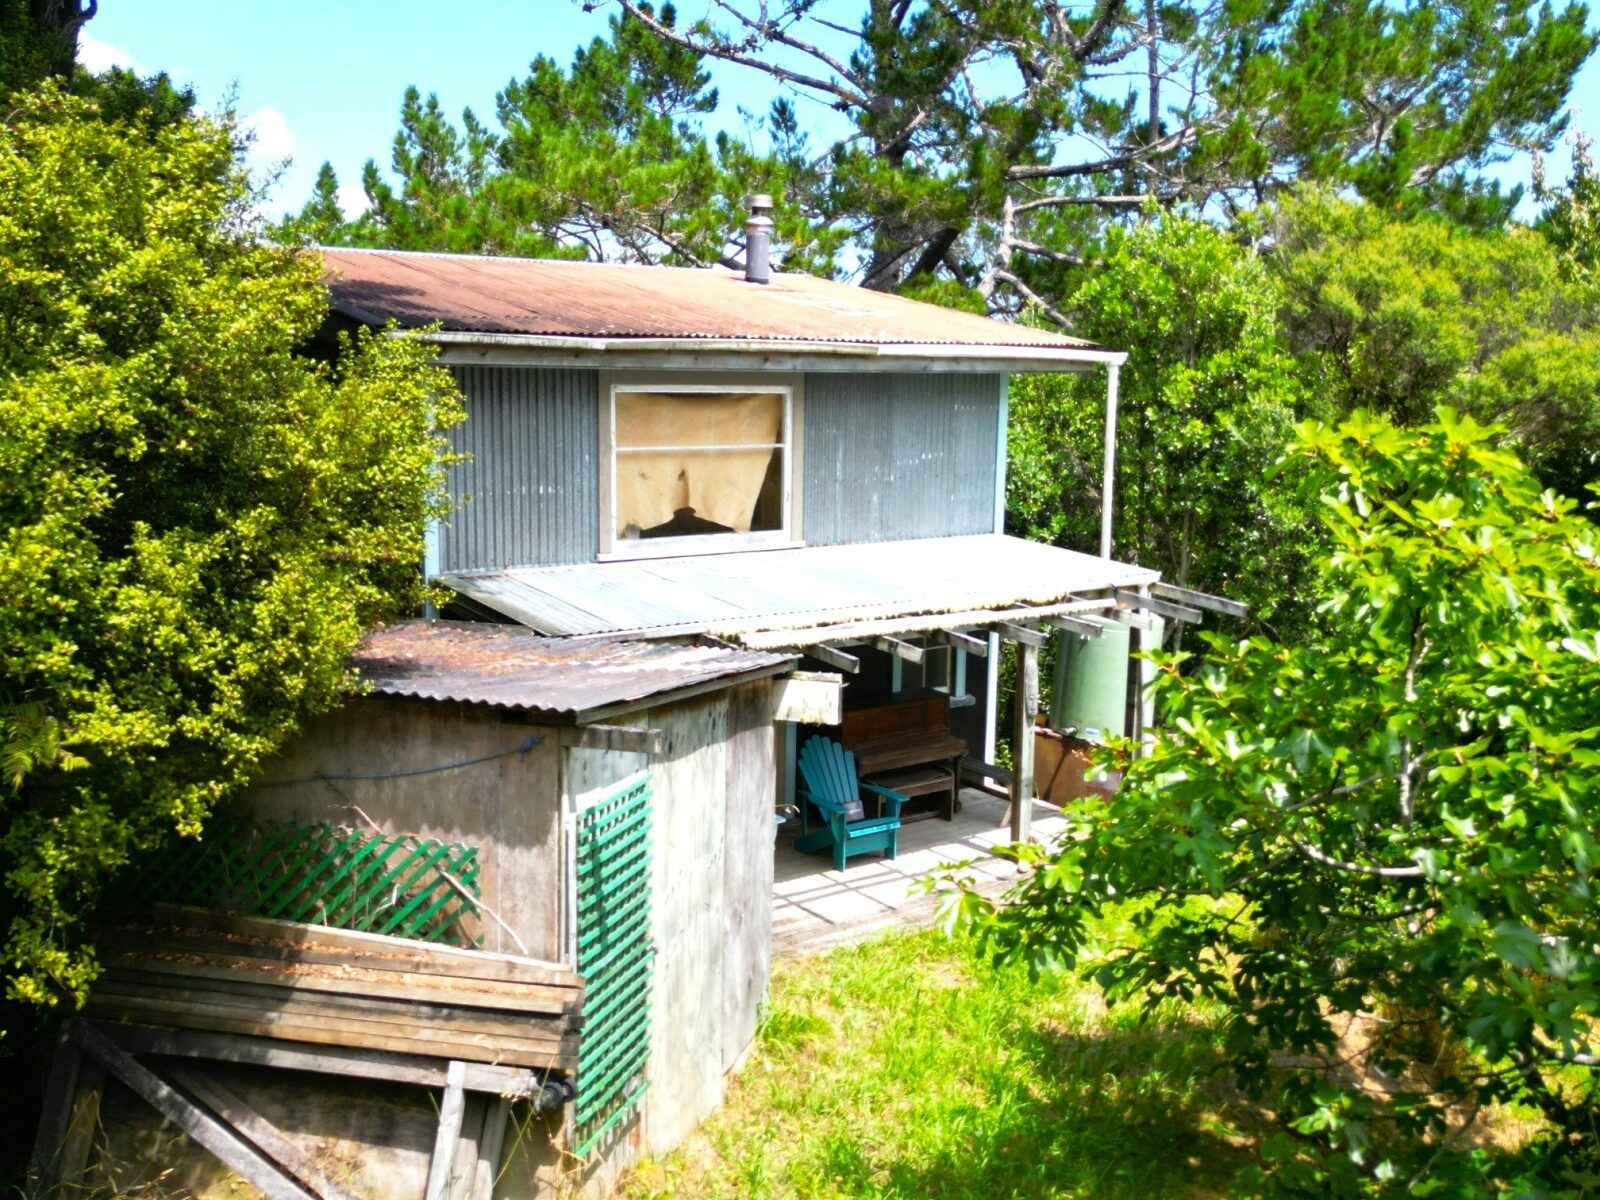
(729, 595)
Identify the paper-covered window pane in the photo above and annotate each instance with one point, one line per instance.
(691, 464)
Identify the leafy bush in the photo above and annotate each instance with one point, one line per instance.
(196, 520)
(1375, 851)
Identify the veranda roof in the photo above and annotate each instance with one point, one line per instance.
(763, 599)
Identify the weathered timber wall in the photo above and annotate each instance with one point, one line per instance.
(711, 881)
(509, 806)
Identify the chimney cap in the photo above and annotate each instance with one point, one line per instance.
(759, 202)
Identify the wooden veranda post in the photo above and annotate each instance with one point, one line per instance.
(1026, 708)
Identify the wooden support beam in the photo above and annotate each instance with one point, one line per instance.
(68, 1120)
(1021, 634)
(1194, 599)
(976, 768)
(901, 650)
(451, 1111)
(965, 641)
(235, 1153)
(1084, 629)
(1162, 608)
(83, 1129)
(490, 1147)
(464, 1165)
(45, 1168)
(834, 658)
(259, 1130)
(1026, 707)
(517, 1082)
(612, 737)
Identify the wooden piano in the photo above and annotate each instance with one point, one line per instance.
(905, 744)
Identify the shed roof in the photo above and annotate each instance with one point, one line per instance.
(802, 596)
(510, 666)
(616, 307)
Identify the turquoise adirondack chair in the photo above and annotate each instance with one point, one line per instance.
(828, 780)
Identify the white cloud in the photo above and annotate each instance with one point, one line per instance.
(271, 139)
(96, 56)
(352, 200)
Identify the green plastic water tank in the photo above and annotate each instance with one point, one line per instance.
(1089, 693)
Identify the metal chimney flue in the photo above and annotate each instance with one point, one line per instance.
(758, 239)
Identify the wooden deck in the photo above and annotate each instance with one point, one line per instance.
(815, 907)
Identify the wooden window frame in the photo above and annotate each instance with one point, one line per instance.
(789, 385)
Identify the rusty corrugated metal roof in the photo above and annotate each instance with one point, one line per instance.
(480, 294)
(510, 666)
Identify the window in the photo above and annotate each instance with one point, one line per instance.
(697, 468)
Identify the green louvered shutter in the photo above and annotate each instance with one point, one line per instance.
(614, 958)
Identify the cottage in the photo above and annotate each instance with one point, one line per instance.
(502, 924)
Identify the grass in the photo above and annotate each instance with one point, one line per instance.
(905, 1068)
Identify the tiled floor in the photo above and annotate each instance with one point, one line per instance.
(815, 907)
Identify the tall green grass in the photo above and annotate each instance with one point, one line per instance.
(906, 1068)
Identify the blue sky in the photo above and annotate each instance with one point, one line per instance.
(322, 81)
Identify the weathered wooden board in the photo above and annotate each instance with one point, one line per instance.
(258, 977)
(689, 919)
(294, 939)
(289, 1027)
(747, 867)
(399, 985)
(808, 698)
(509, 807)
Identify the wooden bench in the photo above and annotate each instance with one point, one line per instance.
(905, 744)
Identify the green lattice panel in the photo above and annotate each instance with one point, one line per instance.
(614, 957)
(322, 874)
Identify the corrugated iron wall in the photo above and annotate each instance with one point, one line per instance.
(534, 477)
(886, 457)
(899, 456)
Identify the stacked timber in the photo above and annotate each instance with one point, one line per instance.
(226, 973)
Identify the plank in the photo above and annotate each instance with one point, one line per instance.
(353, 981)
(1194, 599)
(179, 1005)
(1020, 634)
(620, 738)
(513, 1082)
(418, 967)
(83, 1128)
(490, 1147)
(965, 641)
(1084, 629)
(353, 1008)
(426, 957)
(901, 650)
(837, 659)
(235, 1153)
(46, 1168)
(1162, 608)
(291, 1027)
(265, 1136)
(451, 1110)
